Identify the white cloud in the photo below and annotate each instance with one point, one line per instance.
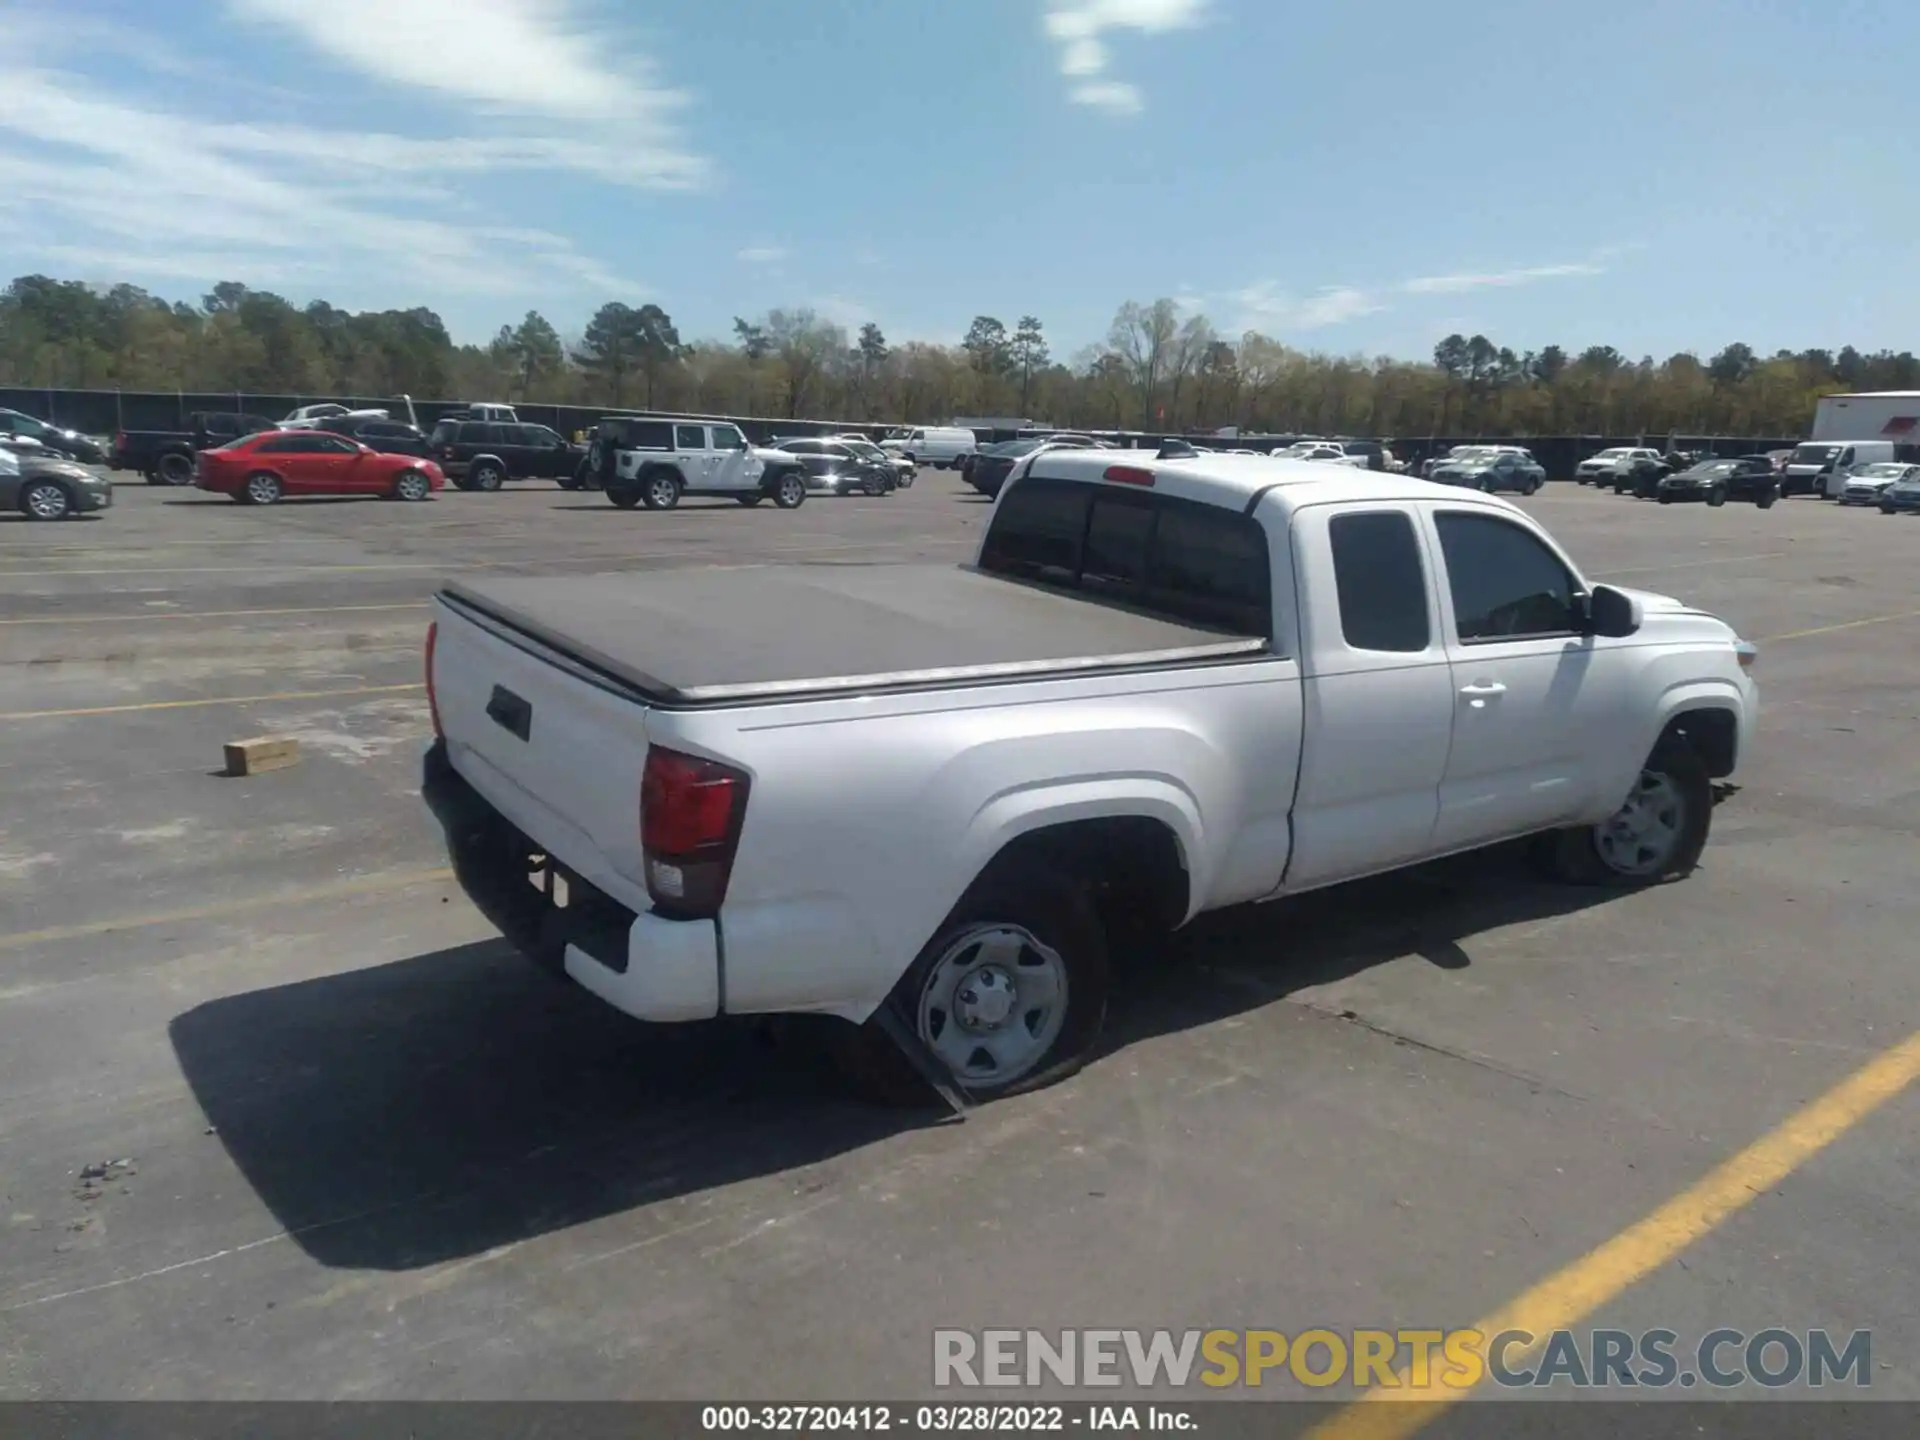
(1116, 96)
(516, 56)
(761, 254)
(842, 310)
(1266, 305)
(1500, 279)
(129, 176)
(1077, 28)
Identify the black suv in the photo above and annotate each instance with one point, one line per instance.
(389, 437)
(839, 469)
(485, 454)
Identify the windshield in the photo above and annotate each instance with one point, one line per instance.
(1814, 454)
(1882, 471)
(865, 450)
(1613, 454)
(1715, 467)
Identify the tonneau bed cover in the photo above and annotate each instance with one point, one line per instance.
(690, 638)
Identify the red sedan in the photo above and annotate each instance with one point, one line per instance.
(261, 469)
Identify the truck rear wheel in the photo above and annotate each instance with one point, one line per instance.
(1009, 995)
(173, 468)
(625, 496)
(1657, 834)
(790, 491)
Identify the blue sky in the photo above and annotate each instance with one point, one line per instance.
(1357, 177)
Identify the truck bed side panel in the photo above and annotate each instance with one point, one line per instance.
(869, 817)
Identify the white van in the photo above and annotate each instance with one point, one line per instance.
(1822, 467)
(940, 446)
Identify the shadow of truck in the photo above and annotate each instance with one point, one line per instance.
(430, 1109)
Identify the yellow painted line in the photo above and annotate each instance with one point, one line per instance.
(366, 885)
(247, 569)
(213, 700)
(1565, 1298)
(214, 614)
(1694, 564)
(1843, 625)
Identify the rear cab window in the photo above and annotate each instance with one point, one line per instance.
(1178, 559)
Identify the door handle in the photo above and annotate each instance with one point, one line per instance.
(1483, 690)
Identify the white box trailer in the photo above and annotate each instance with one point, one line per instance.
(1874, 415)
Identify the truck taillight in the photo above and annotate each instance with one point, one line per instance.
(433, 703)
(691, 811)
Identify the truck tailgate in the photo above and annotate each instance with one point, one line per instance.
(557, 754)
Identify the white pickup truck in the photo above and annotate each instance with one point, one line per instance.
(918, 797)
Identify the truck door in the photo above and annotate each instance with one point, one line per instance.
(1538, 705)
(1378, 692)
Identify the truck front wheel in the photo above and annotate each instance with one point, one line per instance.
(1657, 834)
(1010, 995)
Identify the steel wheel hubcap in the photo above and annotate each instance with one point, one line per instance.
(662, 491)
(48, 502)
(1642, 835)
(413, 487)
(993, 1003)
(790, 487)
(260, 489)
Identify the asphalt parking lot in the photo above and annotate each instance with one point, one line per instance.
(372, 1154)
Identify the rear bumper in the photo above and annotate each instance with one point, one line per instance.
(645, 965)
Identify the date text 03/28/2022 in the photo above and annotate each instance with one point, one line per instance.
(944, 1419)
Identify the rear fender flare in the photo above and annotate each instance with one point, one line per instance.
(1008, 816)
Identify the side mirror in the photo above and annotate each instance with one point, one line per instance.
(1612, 613)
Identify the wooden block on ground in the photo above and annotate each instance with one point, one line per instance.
(250, 757)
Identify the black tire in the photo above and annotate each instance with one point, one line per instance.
(1665, 499)
(1533, 485)
(749, 500)
(47, 500)
(626, 497)
(262, 487)
(1765, 502)
(660, 488)
(412, 485)
(1716, 497)
(1051, 907)
(789, 490)
(567, 482)
(486, 475)
(1577, 857)
(1884, 509)
(173, 469)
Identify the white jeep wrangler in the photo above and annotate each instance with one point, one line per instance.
(655, 462)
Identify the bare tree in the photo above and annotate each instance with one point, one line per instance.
(1141, 336)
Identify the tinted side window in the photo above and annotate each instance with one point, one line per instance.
(726, 437)
(689, 437)
(287, 445)
(1506, 585)
(445, 432)
(1382, 584)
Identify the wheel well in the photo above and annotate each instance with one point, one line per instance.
(1712, 734)
(486, 460)
(1134, 864)
(647, 472)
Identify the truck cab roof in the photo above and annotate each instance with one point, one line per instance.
(1241, 482)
